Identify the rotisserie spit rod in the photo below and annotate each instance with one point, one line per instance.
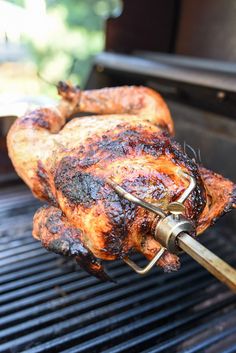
(215, 265)
(173, 232)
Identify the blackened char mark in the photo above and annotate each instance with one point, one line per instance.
(84, 189)
(67, 246)
(109, 147)
(65, 240)
(45, 185)
(68, 91)
(93, 266)
(229, 206)
(42, 118)
(232, 202)
(78, 187)
(116, 211)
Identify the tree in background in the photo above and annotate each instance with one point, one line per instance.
(61, 37)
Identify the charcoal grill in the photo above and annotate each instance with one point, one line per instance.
(48, 304)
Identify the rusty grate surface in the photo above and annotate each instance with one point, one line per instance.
(47, 305)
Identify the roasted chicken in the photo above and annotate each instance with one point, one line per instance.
(127, 139)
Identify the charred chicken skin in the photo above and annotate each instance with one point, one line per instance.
(127, 139)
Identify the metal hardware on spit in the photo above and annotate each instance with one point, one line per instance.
(146, 269)
(172, 232)
(168, 227)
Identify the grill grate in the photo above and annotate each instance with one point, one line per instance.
(47, 305)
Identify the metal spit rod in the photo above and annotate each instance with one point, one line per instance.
(215, 265)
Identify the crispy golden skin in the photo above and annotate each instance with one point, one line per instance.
(130, 141)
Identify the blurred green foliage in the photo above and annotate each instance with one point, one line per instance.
(77, 33)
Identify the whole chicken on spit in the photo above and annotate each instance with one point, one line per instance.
(128, 141)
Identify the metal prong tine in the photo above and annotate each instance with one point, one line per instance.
(122, 192)
(199, 156)
(143, 271)
(190, 188)
(193, 151)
